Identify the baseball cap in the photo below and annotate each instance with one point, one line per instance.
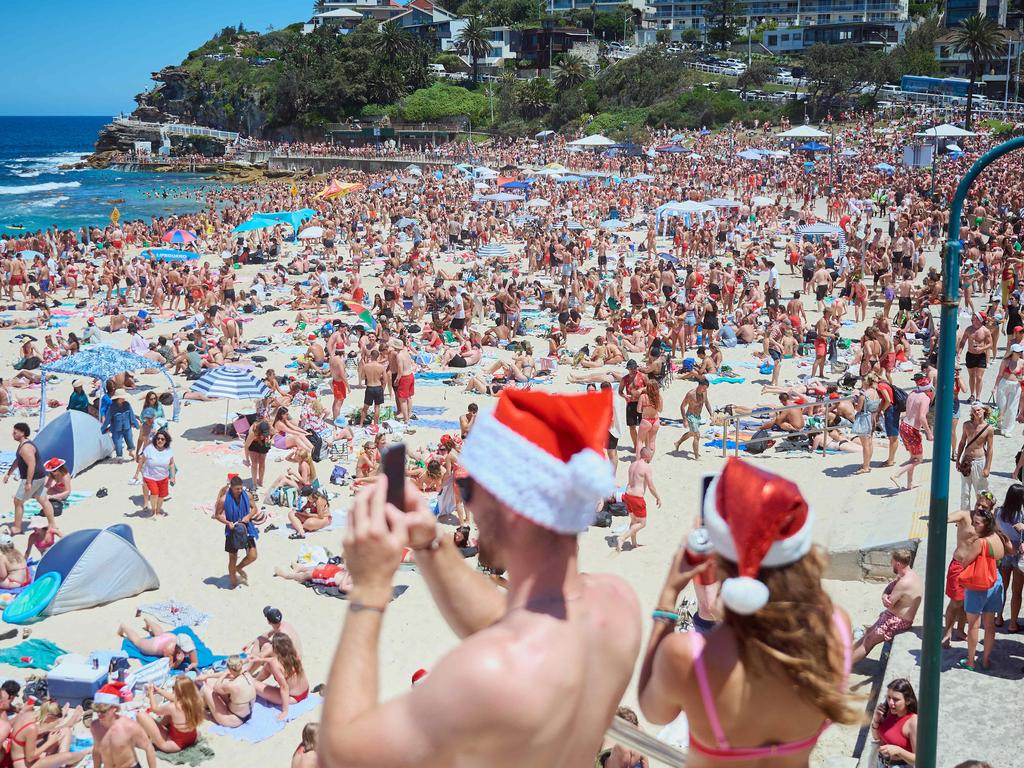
(272, 614)
(6, 539)
(1017, 347)
(186, 643)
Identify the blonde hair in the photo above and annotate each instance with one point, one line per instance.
(796, 635)
(187, 696)
(234, 663)
(49, 709)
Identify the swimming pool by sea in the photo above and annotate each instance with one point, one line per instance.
(35, 193)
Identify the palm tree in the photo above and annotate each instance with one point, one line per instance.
(534, 97)
(474, 40)
(982, 39)
(571, 72)
(395, 42)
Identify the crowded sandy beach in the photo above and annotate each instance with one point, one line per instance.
(715, 360)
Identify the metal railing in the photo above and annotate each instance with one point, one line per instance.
(735, 418)
(177, 129)
(628, 735)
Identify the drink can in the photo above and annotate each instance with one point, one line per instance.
(698, 550)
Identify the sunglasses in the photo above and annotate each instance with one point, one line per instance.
(465, 486)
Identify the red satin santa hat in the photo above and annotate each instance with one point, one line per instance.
(755, 519)
(418, 675)
(543, 456)
(108, 694)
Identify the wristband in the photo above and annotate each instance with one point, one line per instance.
(355, 607)
(669, 617)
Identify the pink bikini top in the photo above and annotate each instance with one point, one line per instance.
(722, 750)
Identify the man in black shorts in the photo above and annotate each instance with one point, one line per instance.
(373, 395)
(978, 340)
(631, 387)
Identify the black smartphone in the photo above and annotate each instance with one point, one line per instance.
(394, 470)
(705, 484)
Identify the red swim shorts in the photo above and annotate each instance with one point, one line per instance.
(340, 389)
(635, 505)
(911, 439)
(406, 387)
(953, 589)
(157, 488)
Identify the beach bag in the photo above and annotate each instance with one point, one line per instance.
(238, 537)
(338, 474)
(603, 519)
(899, 398)
(759, 442)
(981, 573)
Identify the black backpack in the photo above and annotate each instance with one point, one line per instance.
(899, 398)
(759, 442)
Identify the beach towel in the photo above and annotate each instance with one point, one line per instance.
(204, 655)
(6, 460)
(198, 753)
(171, 613)
(730, 445)
(442, 424)
(419, 410)
(32, 654)
(726, 380)
(264, 723)
(435, 375)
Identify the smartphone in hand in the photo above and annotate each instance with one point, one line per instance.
(393, 463)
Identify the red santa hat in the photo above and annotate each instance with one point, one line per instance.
(755, 519)
(418, 675)
(108, 694)
(543, 456)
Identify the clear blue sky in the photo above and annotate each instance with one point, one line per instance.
(79, 57)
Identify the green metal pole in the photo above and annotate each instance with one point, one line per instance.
(935, 568)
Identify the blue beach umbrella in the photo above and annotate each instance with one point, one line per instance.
(492, 250)
(253, 224)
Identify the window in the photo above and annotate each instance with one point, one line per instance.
(773, 40)
(784, 38)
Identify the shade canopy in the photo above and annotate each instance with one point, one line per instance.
(504, 197)
(946, 131)
(802, 132)
(595, 140)
(812, 146)
(101, 362)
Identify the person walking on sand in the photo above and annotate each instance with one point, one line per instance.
(32, 474)
(641, 479)
(978, 340)
(915, 421)
(339, 382)
(549, 626)
(695, 401)
(974, 454)
(236, 514)
(900, 600)
(405, 381)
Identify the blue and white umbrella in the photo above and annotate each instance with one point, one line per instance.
(492, 250)
(612, 224)
(229, 383)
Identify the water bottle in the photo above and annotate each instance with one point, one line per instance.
(699, 549)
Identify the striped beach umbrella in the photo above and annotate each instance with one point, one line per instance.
(492, 250)
(229, 383)
(178, 236)
(364, 313)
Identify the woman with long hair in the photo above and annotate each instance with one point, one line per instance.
(1010, 520)
(287, 434)
(41, 737)
(772, 675)
(649, 405)
(174, 725)
(978, 542)
(894, 724)
(305, 753)
(285, 667)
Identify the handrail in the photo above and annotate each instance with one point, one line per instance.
(628, 735)
(735, 419)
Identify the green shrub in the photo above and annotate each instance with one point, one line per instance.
(442, 100)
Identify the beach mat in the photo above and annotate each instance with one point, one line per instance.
(204, 655)
(419, 410)
(726, 380)
(171, 613)
(264, 723)
(198, 753)
(32, 654)
(435, 375)
(730, 445)
(442, 424)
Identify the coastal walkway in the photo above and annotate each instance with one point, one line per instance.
(177, 129)
(326, 163)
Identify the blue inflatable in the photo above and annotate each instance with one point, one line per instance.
(26, 607)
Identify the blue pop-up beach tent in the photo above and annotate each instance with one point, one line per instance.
(74, 437)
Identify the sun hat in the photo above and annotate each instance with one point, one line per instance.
(397, 343)
(186, 643)
(54, 463)
(755, 519)
(39, 522)
(6, 539)
(76, 383)
(543, 456)
(119, 393)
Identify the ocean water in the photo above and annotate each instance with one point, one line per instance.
(35, 193)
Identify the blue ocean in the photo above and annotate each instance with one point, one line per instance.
(35, 193)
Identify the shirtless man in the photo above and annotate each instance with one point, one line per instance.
(915, 421)
(978, 340)
(373, 395)
(789, 419)
(339, 382)
(974, 454)
(695, 401)
(562, 674)
(641, 479)
(116, 738)
(900, 600)
(405, 381)
(822, 282)
(261, 645)
(824, 330)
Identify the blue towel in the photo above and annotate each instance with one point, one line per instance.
(419, 410)
(442, 424)
(726, 380)
(428, 375)
(729, 445)
(204, 655)
(264, 723)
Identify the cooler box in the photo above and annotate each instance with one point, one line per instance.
(75, 681)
